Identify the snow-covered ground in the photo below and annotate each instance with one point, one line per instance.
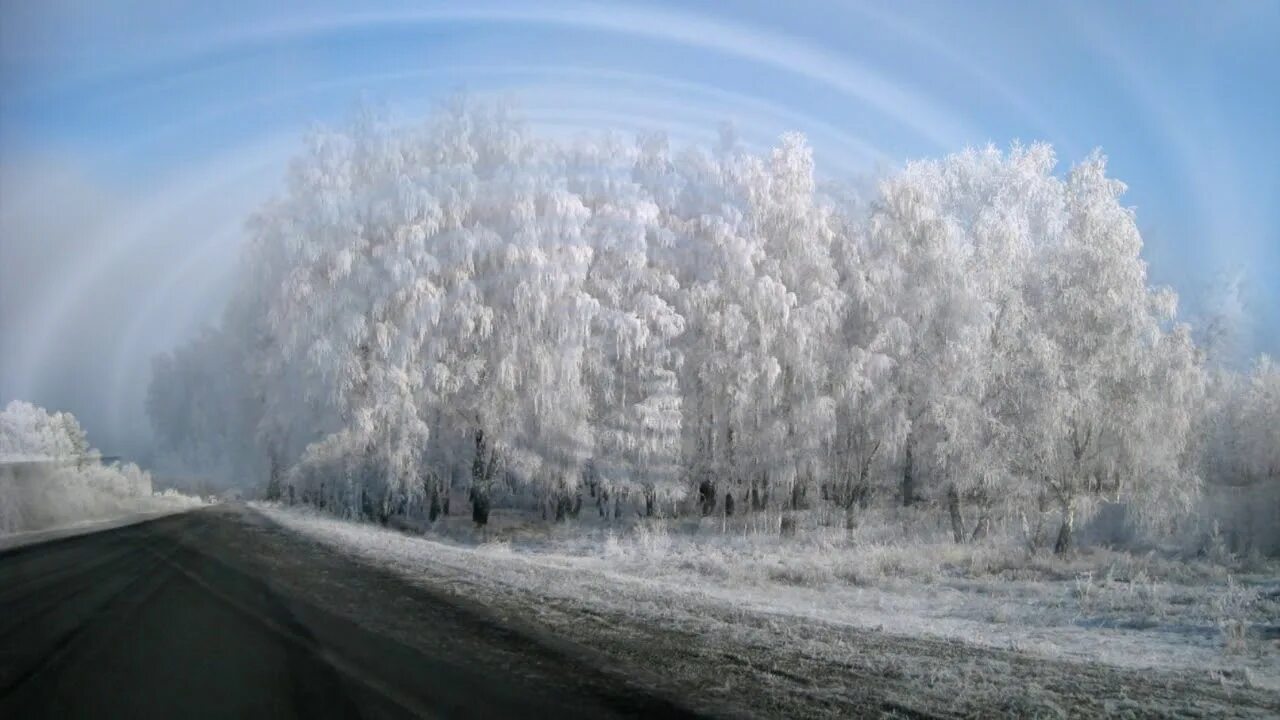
(1116, 609)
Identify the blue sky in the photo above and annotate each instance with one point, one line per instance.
(136, 136)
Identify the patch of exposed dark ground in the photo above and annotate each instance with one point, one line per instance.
(219, 613)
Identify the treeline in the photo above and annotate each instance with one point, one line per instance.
(464, 304)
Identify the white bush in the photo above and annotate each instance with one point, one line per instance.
(49, 476)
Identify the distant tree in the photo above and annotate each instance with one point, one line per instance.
(29, 432)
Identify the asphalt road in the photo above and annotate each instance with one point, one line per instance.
(219, 613)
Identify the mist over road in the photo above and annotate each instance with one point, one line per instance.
(219, 613)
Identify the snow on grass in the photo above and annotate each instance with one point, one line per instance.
(1098, 607)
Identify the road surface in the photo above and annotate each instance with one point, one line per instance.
(218, 613)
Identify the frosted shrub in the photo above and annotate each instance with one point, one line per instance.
(1083, 590)
(612, 548)
(651, 539)
(1232, 605)
(49, 475)
(802, 571)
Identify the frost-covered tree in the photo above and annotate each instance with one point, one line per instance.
(632, 361)
(464, 303)
(1034, 359)
(1242, 417)
(202, 412)
(1105, 368)
(935, 322)
(1235, 447)
(29, 432)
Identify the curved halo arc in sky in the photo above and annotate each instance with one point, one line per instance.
(136, 137)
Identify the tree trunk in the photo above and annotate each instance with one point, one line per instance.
(1063, 543)
(434, 511)
(982, 528)
(760, 492)
(1038, 533)
(707, 496)
(273, 477)
(953, 507)
(787, 526)
(479, 507)
(563, 505)
(908, 478)
(851, 498)
(480, 472)
(862, 494)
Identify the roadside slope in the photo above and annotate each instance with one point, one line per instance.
(776, 663)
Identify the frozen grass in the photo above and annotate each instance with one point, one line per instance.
(1150, 610)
